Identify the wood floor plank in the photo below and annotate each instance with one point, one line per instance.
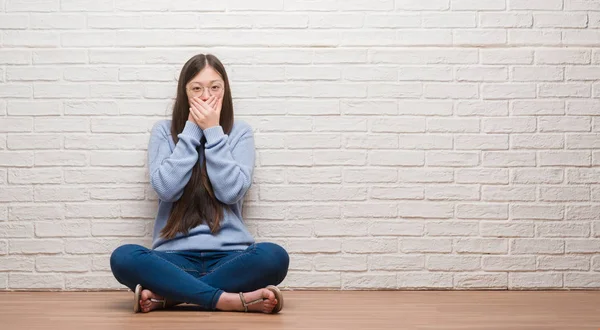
(423, 310)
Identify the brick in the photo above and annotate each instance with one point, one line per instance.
(362, 245)
(62, 229)
(537, 176)
(563, 263)
(346, 193)
(354, 107)
(331, 280)
(19, 57)
(537, 246)
(16, 230)
(537, 73)
(489, 176)
(451, 91)
(537, 212)
(35, 281)
(481, 245)
(139, 210)
(16, 91)
(482, 108)
(59, 56)
(536, 108)
(312, 211)
(582, 37)
(482, 211)
(427, 209)
(451, 228)
(454, 192)
(535, 281)
(369, 281)
(481, 73)
(16, 194)
(396, 228)
(453, 263)
(91, 282)
(416, 73)
(311, 245)
(396, 263)
(86, 5)
(65, 158)
(487, 37)
(425, 56)
(397, 125)
(508, 194)
(564, 194)
(535, 4)
(121, 228)
(304, 73)
(425, 142)
(425, 175)
(60, 193)
(412, 280)
(314, 175)
(419, 5)
(38, 211)
(390, 193)
(425, 245)
(56, 21)
(117, 21)
(565, 158)
(340, 228)
(583, 175)
(336, 124)
(526, 37)
(33, 73)
(32, 176)
(588, 73)
(582, 212)
(478, 4)
(61, 124)
(398, 158)
(390, 90)
(379, 175)
(96, 245)
(581, 280)
(16, 158)
(508, 158)
(453, 125)
(340, 263)
(387, 20)
(452, 159)
(508, 91)
(17, 38)
(372, 210)
(18, 264)
(370, 73)
(506, 229)
(560, 20)
(449, 20)
(556, 90)
(481, 142)
(505, 20)
(62, 264)
(123, 125)
(481, 281)
(506, 56)
(106, 141)
(285, 229)
(582, 246)
(27, 108)
(35, 246)
(263, 212)
(508, 263)
(562, 56)
(581, 5)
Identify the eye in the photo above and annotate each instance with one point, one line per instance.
(196, 89)
(216, 88)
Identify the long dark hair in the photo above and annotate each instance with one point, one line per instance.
(198, 203)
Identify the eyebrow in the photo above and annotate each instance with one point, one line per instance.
(212, 81)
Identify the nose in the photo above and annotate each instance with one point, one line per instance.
(205, 95)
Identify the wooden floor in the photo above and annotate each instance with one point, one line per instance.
(315, 310)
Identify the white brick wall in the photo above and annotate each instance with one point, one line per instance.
(440, 144)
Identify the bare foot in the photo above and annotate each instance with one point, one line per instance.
(232, 301)
(146, 304)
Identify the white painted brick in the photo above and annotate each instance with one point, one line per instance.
(481, 245)
(396, 262)
(583, 37)
(482, 211)
(91, 108)
(505, 20)
(582, 212)
(451, 91)
(59, 193)
(537, 212)
(449, 20)
(61, 124)
(372, 210)
(581, 5)
(16, 91)
(340, 157)
(329, 56)
(479, 280)
(453, 192)
(508, 91)
(560, 20)
(557, 194)
(536, 176)
(118, 21)
(576, 90)
(16, 158)
(429, 107)
(340, 263)
(368, 281)
(482, 108)
(452, 228)
(563, 263)
(425, 210)
(424, 280)
(507, 194)
(17, 38)
(91, 281)
(10, 56)
(479, 37)
(29, 176)
(453, 263)
(19, 264)
(3, 247)
(425, 142)
(509, 125)
(506, 229)
(29, 108)
(286, 158)
(420, 5)
(396, 228)
(92, 210)
(478, 4)
(535, 108)
(56, 21)
(312, 245)
(581, 280)
(582, 246)
(565, 124)
(364, 245)
(452, 159)
(537, 73)
(565, 229)
(91, 74)
(396, 193)
(401, 90)
(508, 263)
(425, 245)
(481, 73)
(397, 158)
(489, 176)
(372, 21)
(590, 73)
(535, 280)
(123, 125)
(398, 125)
(285, 229)
(339, 124)
(65, 158)
(62, 229)
(32, 5)
(562, 56)
(264, 212)
(348, 20)
(453, 125)
(508, 159)
(35, 281)
(583, 175)
(121, 228)
(537, 246)
(425, 56)
(313, 280)
(379, 175)
(340, 228)
(62, 264)
(418, 73)
(59, 56)
(535, 4)
(35, 246)
(32, 74)
(526, 37)
(481, 142)
(357, 107)
(347, 193)
(565, 158)
(16, 230)
(314, 175)
(506, 56)
(86, 5)
(425, 175)
(106, 141)
(306, 73)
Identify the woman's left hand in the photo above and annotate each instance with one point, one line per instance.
(206, 114)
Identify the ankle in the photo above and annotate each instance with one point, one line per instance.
(227, 301)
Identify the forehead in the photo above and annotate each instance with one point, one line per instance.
(208, 75)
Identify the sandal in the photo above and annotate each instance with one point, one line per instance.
(136, 299)
(278, 296)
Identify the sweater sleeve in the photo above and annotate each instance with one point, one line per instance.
(229, 167)
(170, 170)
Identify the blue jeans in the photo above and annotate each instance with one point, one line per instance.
(200, 277)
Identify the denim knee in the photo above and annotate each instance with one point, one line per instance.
(277, 260)
(122, 259)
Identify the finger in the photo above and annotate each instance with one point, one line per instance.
(201, 106)
(195, 115)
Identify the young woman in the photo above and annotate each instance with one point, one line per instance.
(201, 164)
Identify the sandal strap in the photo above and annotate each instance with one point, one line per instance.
(246, 304)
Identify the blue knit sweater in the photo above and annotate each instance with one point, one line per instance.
(230, 164)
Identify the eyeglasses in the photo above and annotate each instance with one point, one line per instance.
(198, 90)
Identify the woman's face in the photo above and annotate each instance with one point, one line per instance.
(206, 83)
